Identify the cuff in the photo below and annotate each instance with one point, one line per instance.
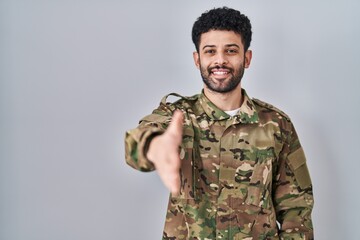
(143, 147)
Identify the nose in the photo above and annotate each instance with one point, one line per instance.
(220, 59)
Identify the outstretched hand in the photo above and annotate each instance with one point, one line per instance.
(164, 153)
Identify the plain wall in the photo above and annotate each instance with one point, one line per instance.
(75, 75)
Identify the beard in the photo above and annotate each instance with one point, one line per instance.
(226, 85)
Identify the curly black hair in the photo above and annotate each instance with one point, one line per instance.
(222, 19)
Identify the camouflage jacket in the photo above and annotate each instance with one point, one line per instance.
(242, 177)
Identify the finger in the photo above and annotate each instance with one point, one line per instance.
(170, 176)
(176, 125)
(175, 185)
(174, 160)
(170, 181)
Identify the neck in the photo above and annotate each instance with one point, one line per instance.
(225, 101)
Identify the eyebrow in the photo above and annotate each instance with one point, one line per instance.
(232, 45)
(227, 45)
(208, 46)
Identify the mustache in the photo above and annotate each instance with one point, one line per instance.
(218, 67)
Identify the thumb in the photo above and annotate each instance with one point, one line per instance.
(176, 125)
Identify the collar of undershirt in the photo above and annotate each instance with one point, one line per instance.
(232, 113)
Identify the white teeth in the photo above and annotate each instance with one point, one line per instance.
(219, 73)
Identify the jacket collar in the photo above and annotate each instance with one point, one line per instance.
(246, 114)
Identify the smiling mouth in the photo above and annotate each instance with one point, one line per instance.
(220, 72)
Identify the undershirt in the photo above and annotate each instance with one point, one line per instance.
(232, 112)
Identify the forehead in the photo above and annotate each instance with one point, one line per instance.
(220, 38)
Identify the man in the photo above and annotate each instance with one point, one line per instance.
(234, 165)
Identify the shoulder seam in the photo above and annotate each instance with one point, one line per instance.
(270, 106)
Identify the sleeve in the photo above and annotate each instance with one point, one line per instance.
(292, 193)
(137, 140)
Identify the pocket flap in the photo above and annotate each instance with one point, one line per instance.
(297, 162)
(297, 158)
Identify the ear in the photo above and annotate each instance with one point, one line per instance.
(248, 56)
(196, 59)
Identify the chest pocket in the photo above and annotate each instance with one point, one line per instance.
(261, 178)
(249, 180)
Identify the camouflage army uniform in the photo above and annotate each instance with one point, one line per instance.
(239, 175)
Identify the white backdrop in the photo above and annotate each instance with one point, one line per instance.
(75, 75)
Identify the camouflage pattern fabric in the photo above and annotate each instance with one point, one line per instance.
(242, 177)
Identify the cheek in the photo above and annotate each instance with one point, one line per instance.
(203, 70)
(240, 65)
(205, 66)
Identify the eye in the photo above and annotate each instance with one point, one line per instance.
(232, 51)
(210, 51)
